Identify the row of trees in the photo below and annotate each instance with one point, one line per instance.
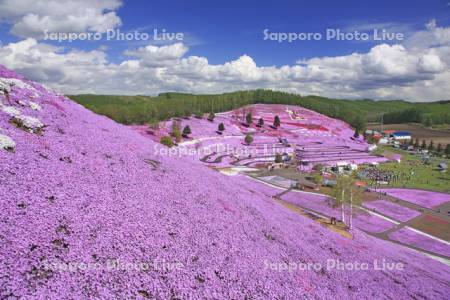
(421, 114)
(249, 121)
(175, 133)
(439, 148)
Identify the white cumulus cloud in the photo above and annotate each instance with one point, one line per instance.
(413, 70)
(31, 18)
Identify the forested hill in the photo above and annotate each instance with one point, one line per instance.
(144, 109)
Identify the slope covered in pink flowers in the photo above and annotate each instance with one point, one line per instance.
(392, 210)
(312, 137)
(82, 189)
(428, 199)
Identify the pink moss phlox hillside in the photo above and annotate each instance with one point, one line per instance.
(87, 190)
(298, 125)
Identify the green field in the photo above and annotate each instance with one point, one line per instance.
(424, 175)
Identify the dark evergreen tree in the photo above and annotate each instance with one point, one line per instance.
(261, 122)
(424, 144)
(276, 121)
(186, 130)
(248, 139)
(278, 158)
(249, 118)
(359, 124)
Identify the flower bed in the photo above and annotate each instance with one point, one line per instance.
(395, 211)
(322, 205)
(408, 236)
(423, 198)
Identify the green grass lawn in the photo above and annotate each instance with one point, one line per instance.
(424, 176)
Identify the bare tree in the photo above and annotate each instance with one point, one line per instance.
(343, 183)
(356, 196)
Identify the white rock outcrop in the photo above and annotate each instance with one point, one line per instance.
(35, 106)
(7, 143)
(7, 83)
(10, 110)
(31, 124)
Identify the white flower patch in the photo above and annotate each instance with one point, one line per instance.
(10, 110)
(32, 105)
(4, 87)
(7, 143)
(31, 124)
(8, 83)
(35, 106)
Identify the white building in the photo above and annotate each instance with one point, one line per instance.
(401, 135)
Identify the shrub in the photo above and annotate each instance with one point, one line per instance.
(424, 144)
(221, 127)
(176, 125)
(176, 131)
(278, 158)
(211, 116)
(153, 124)
(249, 118)
(248, 139)
(318, 178)
(177, 135)
(261, 122)
(187, 130)
(167, 141)
(276, 121)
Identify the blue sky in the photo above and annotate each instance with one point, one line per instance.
(229, 29)
(225, 38)
(224, 30)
